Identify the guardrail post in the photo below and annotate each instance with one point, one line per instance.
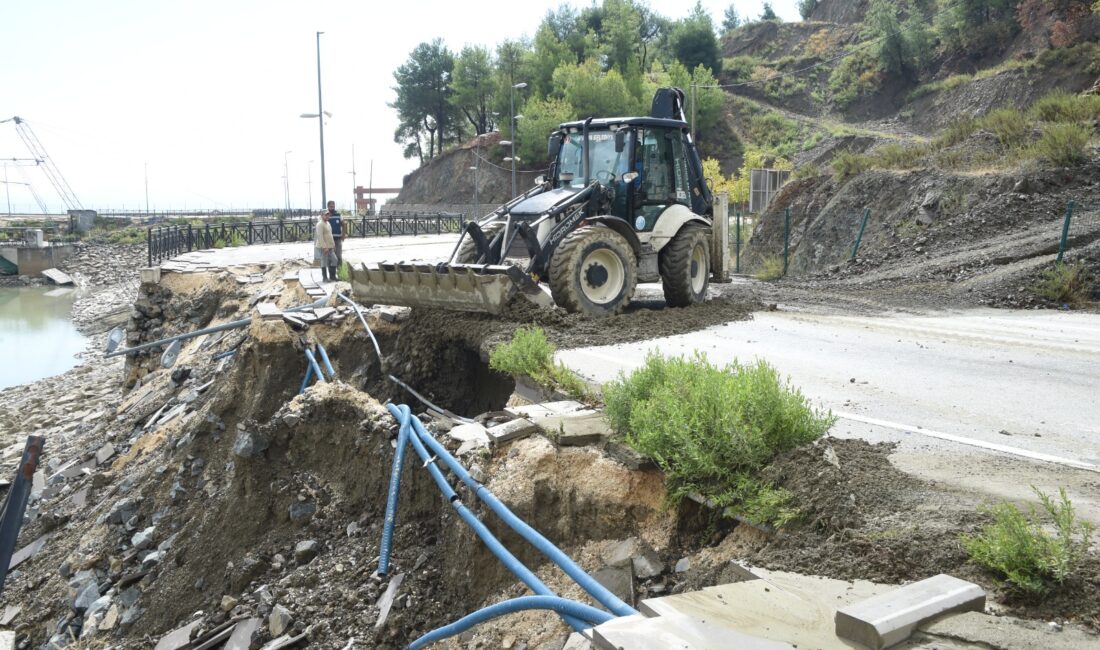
(15, 505)
(1065, 232)
(149, 243)
(249, 238)
(859, 237)
(190, 238)
(786, 238)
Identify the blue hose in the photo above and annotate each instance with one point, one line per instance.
(395, 489)
(313, 364)
(305, 380)
(324, 359)
(505, 556)
(535, 538)
(560, 605)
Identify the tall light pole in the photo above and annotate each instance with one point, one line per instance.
(521, 85)
(286, 180)
(320, 115)
(146, 189)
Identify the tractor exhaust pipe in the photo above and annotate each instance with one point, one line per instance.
(584, 154)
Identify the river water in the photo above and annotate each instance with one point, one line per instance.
(37, 339)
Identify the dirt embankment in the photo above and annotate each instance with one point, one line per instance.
(933, 239)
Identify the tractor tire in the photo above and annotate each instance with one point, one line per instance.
(594, 271)
(685, 267)
(467, 252)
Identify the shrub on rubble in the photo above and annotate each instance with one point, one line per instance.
(530, 353)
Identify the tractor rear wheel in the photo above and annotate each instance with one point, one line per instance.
(685, 267)
(594, 271)
(467, 252)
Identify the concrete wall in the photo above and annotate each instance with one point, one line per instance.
(32, 261)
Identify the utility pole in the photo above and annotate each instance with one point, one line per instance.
(321, 123)
(286, 181)
(354, 208)
(146, 189)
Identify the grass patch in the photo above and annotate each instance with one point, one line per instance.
(1064, 284)
(530, 353)
(1060, 106)
(343, 272)
(1063, 144)
(1009, 125)
(1016, 547)
(771, 268)
(849, 163)
(128, 235)
(711, 428)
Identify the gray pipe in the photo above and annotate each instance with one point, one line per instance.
(244, 322)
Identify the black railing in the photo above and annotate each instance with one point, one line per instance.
(166, 242)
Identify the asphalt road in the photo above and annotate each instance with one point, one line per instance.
(991, 400)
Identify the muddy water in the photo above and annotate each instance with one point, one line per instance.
(37, 338)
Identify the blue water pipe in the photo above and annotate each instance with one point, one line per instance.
(505, 556)
(313, 365)
(305, 380)
(535, 538)
(395, 489)
(324, 359)
(562, 606)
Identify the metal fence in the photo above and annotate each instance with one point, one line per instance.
(166, 242)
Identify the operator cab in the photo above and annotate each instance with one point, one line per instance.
(641, 162)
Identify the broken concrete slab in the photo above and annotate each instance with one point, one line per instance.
(472, 436)
(617, 580)
(514, 430)
(545, 409)
(577, 429)
(890, 618)
(269, 311)
(627, 457)
(7, 640)
(386, 601)
(57, 276)
(10, 612)
(675, 631)
(758, 609)
(243, 633)
(178, 638)
(285, 641)
(104, 453)
(27, 552)
(974, 629)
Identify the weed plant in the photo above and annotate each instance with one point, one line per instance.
(770, 268)
(711, 429)
(530, 353)
(1031, 560)
(1063, 144)
(1064, 284)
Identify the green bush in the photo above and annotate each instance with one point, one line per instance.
(1060, 106)
(1063, 144)
(530, 353)
(770, 268)
(898, 156)
(1008, 124)
(1029, 558)
(1064, 284)
(955, 133)
(711, 428)
(849, 163)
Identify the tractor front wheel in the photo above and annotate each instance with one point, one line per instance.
(685, 267)
(594, 271)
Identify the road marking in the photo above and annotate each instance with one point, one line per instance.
(1015, 451)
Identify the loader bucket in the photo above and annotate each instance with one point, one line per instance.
(461, 287)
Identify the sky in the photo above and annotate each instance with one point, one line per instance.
(199, 101)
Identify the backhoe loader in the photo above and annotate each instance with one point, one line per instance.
(624, 202)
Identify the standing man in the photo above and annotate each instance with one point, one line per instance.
(338, 233)
(324, 248)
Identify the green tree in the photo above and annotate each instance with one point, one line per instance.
(622, 28)
(882, 25)
(541, 118)
(704, 101)
(423, 100)
(693, 41)
(976, 26)
(593, 93)
(550, 52)
(473, 87)
(513, 67)
(768, 13)
(806, 8)
(730, 19)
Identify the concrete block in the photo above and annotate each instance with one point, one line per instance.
(576, 429)
(150, 275)
(545, 409)
(241, 638)
(675, 632)
(887, 619)
(178, 638)
(619, 581)
(7, 640)
(518, 428)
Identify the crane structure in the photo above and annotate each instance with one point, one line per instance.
(43, 161)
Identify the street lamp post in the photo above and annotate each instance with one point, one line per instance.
(521, 85)
(320, 115)
(286, 180)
